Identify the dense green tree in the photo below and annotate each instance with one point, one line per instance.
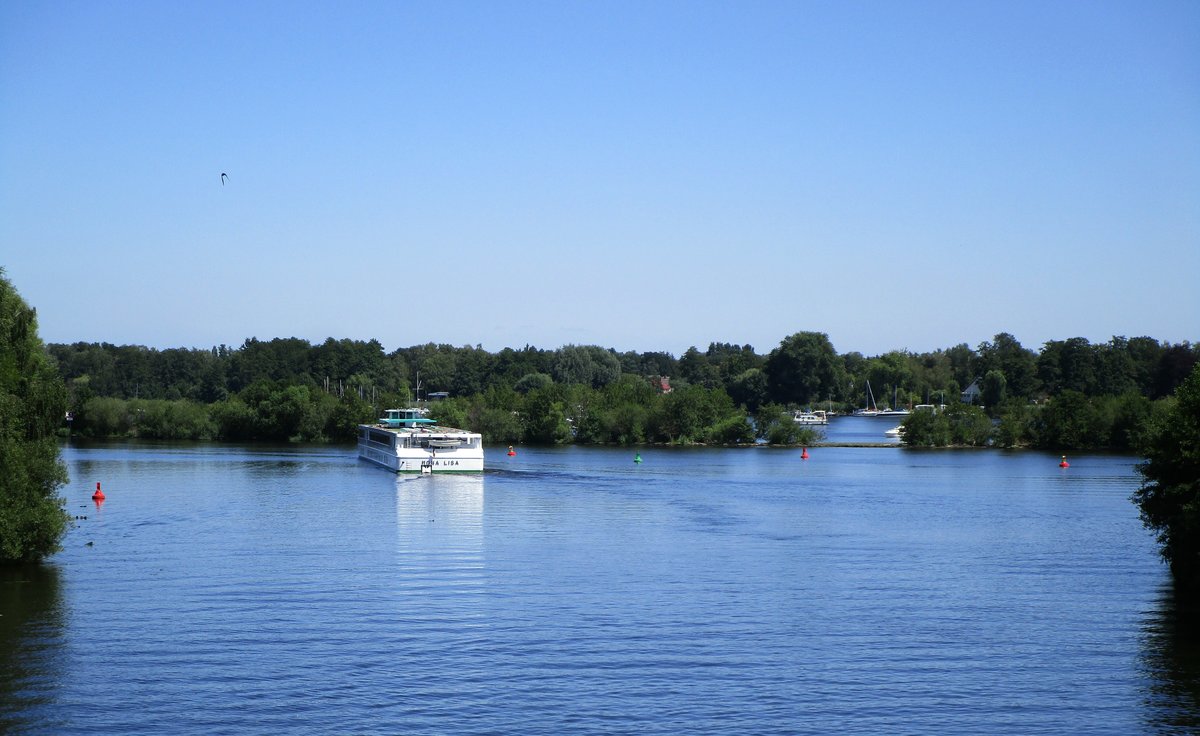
(933, 377)
(337, 360)
(33, 401)
(283, 411)
(689, 414)
(451, 412)
(343, 418)
(964, 364)
(625, 423)
(1069, 422)
(1169, 497)
(495, 415)
(1146, 354)
(94, 362)
(471, 369)
(1175, 365)
(696, 369)
(969, 425)
(775, 425)
(1015, 420)
(960, 425)
(926, 429)
(103, 416)
(1116, 372)
(545, 417)
(1068, 365)
(280, 359)
(651, 364)
(177, 373)
(749, 389)
(235, 419)
(532, 381)
(498, 426)
(804, 368)
(1016, 364)
(512, 364)
(854, 376)
(170, 420)
(631, 390)
(1072, 421)
(994, 387)
(586, 365)
(79, 391)
(434, 367)
(734, 429)
(731, 359)
(583, 408)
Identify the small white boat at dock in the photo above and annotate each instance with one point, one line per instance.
(817, 417)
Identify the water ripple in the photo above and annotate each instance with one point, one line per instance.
(569, 591)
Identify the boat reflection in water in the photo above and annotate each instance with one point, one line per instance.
(440, 514)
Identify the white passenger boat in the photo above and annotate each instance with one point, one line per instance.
(406, 442)
(810, 417)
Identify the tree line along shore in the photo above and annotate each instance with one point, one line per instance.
(1069, 395)
(1128, 393)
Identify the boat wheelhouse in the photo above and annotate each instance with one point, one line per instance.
(406, 441)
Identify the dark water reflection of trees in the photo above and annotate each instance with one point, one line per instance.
(31, 633)
(1171, 659)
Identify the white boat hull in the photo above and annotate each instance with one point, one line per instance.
(421, 450)
(460, 463)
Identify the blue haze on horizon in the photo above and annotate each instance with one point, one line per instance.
(641, 176)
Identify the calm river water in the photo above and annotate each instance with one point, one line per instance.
(243, 590)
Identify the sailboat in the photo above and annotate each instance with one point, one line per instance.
(893, 412)
(870, 410)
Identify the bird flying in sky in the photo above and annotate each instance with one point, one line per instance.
(224, 176)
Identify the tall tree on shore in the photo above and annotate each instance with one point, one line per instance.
(1017, 364)
(804, 368)
(32, 403)
(1170, 492)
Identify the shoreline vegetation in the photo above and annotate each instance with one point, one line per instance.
(1071, 395)
(1127, 394)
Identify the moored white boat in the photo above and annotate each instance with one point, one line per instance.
(810, 417)
(405, 441)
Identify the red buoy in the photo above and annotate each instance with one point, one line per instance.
(1064, 463)
(804, 455)
(99, 494)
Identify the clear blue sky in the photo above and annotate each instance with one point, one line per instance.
(638, 175)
